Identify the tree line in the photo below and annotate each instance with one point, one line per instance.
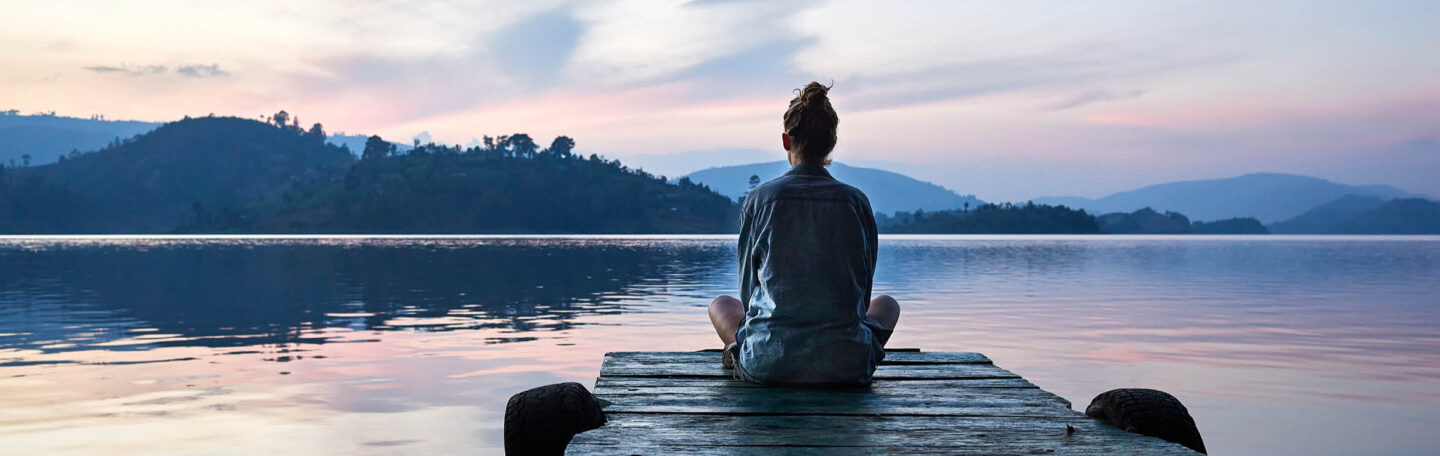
(1031, 218)
(990, 218)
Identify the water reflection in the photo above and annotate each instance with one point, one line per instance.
(146, 293)
(411, 345)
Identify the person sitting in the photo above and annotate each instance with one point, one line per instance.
(807, 252)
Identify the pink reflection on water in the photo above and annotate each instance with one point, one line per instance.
(1273, 346)
(1121, 355)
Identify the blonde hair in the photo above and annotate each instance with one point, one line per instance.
(811, 123)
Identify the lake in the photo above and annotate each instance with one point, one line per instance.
(411, 345)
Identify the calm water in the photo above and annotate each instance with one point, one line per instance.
(406, 346)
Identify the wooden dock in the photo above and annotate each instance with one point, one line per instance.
(661, 403)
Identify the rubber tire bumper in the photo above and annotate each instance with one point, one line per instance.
(1149, 412)
(541, 421)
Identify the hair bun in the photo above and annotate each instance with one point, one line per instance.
(810, 123)
(813, 94)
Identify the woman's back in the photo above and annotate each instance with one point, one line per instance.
(808, 244)
(807, 263)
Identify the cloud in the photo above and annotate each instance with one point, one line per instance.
(922, 82)
(452, 63)
(1094, 96)
(190, 71)
(535, 49)
(1090, 63)
(202, 71)
(762, 71)
(128, 69)
(628, 42)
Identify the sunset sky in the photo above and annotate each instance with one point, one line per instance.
(1007, 101)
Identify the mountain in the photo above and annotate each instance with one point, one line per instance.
(1144, 221)
(1327, 217)
(682, 163)
(233, 175)
(156, 181)
(439, 189)
(1267, 197)
(1400, 216)
(1245, 225)
(889, 192)
(1351, 214)
(45, 137)
(356, 143)
(1148, 221)
(991, 219)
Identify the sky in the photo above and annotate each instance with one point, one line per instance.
(1004, 100)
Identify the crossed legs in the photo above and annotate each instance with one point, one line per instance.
(726, 313)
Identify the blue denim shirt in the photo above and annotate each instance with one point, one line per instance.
(807, 262)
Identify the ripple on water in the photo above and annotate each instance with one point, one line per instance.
(1276, 343)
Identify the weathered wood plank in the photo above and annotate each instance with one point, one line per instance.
(888, 407)
(626, 368)
(883, 389)
(722, 434)
(774, 400)
(891, 358)
(645, 450)
(920, 403)
(960, 409)
(887, 349)
(728, 383)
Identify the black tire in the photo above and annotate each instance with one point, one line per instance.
(541, 421)
(1149, 412)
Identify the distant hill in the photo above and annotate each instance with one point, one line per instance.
(991, 219)
(1149, 221)
(888, 192)
(1144, 221)
(1327, 217)
(1351, 214)
(682, 163)
(1267, 197)
(1243, 225)
(356, 143)
(46, 137)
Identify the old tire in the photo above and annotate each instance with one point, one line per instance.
(541, 421)
(1149, 412)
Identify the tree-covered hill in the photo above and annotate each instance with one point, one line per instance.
(510, 187)
(154, 182)
(1327, 217)
(1031, 218)
(1267, 197)
(1353, 214)
(245, 176)
(1238, 225)
(1398, 216)
(1149, 221)
(1004, 218)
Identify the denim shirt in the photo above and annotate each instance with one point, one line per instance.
(807, 262)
